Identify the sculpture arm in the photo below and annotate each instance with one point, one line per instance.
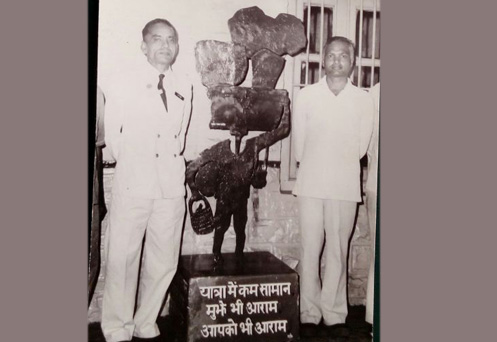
(267, 139)
(191, 171)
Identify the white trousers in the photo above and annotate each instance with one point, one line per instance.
(129, 219)
(371, 208)
(333, 220)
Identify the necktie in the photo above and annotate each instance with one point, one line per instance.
(163, 93)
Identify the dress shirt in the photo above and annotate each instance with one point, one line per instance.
(331, 134)
(146, 140)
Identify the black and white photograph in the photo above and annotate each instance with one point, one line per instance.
(234, 187)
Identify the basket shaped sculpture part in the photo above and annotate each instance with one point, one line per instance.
(202, 219)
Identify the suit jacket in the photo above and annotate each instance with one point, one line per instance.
(147, 141)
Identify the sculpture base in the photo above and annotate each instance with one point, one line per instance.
(254, 301)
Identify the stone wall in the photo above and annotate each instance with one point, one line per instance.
(272, 226)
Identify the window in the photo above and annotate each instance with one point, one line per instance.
(318, 25)
(367, 40)
(315, 41)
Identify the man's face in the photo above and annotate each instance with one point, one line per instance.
(160, 45)
(338, 59)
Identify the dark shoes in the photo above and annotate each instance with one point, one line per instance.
(365, 330)
(151, 339)
(308, 330)
(337, 330)
(314, 330)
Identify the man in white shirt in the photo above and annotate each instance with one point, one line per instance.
(147, 115)
(332, 126)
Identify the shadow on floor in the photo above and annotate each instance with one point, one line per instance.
(359, 331)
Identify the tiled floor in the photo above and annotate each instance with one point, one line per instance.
(355, 321)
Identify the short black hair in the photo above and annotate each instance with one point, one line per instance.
(342, 40)
(151, 23)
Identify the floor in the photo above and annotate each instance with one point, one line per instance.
(355, 320)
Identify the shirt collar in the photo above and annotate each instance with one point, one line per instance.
(346, 89)
(152, 74)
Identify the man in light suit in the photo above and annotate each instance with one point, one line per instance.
(332, 126)
(147, 115)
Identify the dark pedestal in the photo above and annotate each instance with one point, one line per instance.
(256, 301)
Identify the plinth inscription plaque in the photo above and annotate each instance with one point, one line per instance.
(256, 301)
